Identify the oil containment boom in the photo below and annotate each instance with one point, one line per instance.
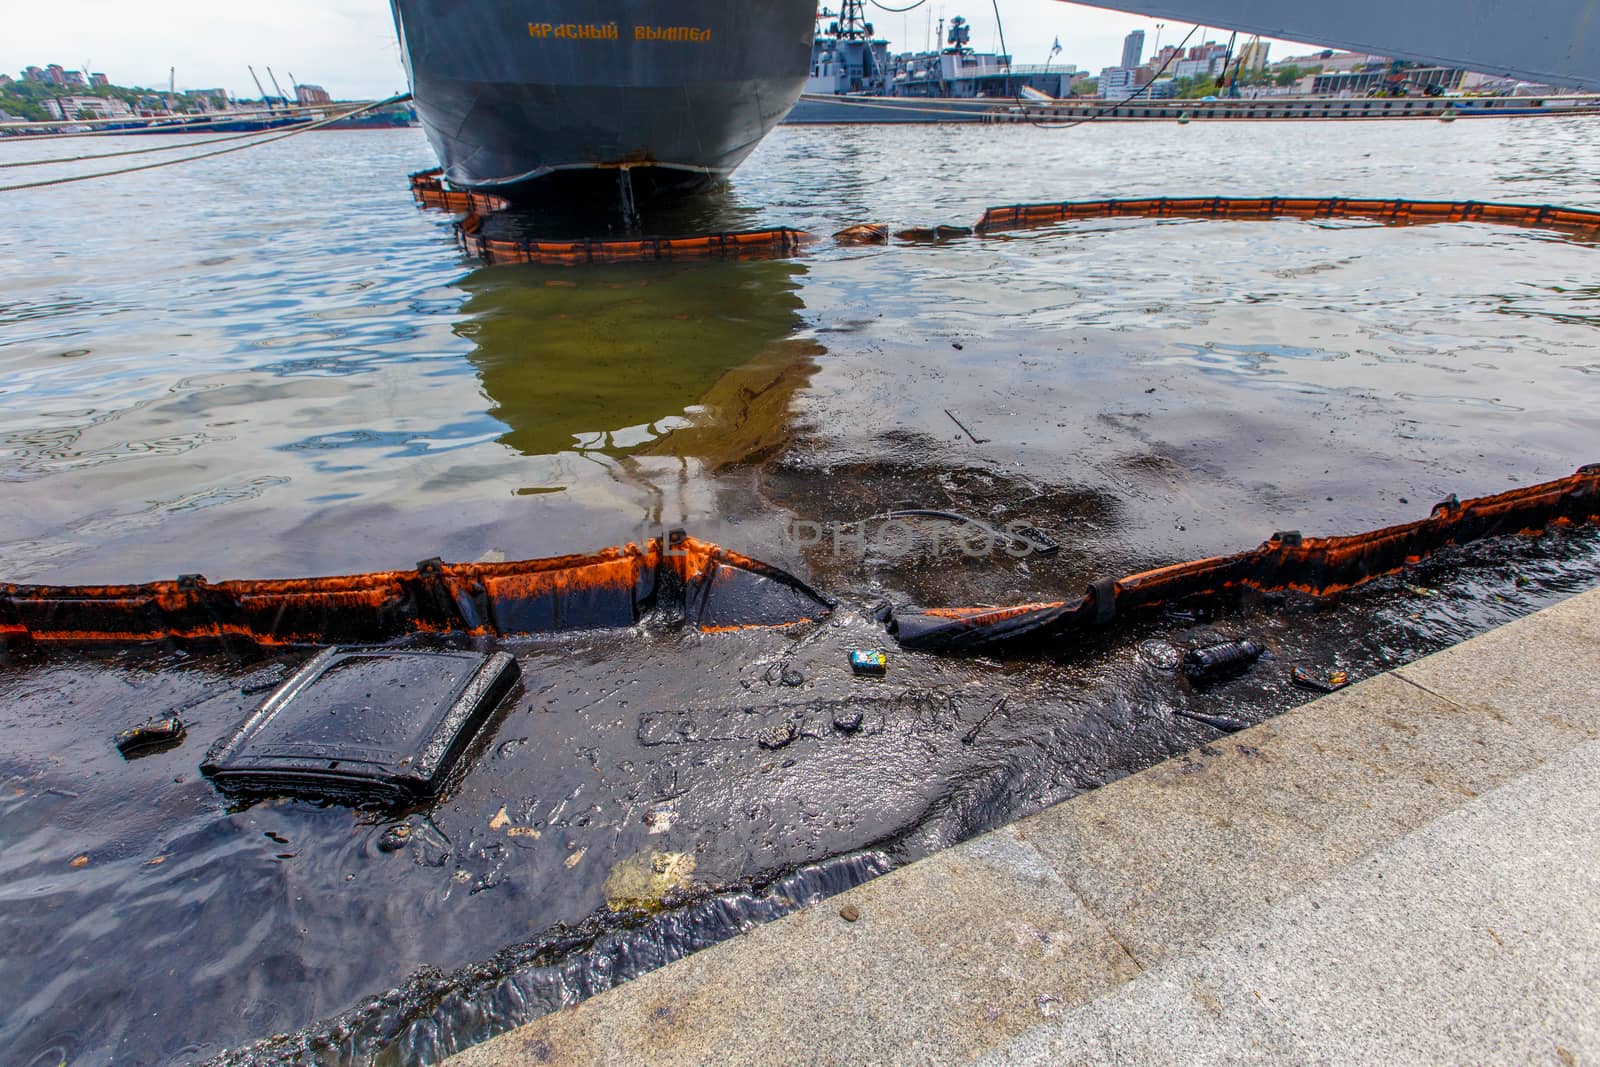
(1553, 42)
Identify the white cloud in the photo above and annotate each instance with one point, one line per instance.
(349, 46)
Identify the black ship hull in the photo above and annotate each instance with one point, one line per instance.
(673, 93)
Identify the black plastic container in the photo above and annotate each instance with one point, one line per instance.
(372, 727)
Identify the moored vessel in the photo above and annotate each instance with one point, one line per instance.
(635, 98)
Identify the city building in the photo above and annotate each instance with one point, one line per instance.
(55, 74)
(72, 107)
(1133, 49)
(6, 79)
(1160, 59)
(33, 74)
(99, 80)
(1205, 67)
(311, 95)
(1119, 83)
(75, 78)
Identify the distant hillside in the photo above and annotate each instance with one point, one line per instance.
(24, 99)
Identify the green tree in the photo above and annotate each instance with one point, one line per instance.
(1287, 76)
(21, 107)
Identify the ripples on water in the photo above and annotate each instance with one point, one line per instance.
(273, 364)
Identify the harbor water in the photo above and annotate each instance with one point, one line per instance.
(273, 364)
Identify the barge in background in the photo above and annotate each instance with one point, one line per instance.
(667, 95)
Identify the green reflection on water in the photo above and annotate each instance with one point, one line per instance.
(623, 358)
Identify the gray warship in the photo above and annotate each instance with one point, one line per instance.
(639, 99)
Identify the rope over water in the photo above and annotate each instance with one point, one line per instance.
(292, 132)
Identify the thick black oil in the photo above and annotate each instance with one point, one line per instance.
(626, 753)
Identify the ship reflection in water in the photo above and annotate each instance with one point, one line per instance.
(694, 360)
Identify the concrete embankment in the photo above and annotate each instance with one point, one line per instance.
(1405, 871)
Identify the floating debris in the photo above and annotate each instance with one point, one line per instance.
(323, 735)
(972, 735)
(1319, 681)
(159, 733)
(777, 736)
(1221, 660)
(864, 233)
(869, 661)
(395, 838)
(646, 881)
(1037, 539)
(848, 722)
(1226, 723)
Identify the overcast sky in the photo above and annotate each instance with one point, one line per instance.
(348, 46)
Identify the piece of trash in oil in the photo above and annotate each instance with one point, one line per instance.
(1222, 659)
(1226, 723)
(1036, 539)
(159, 732)
(1320, 681)
(869, 661)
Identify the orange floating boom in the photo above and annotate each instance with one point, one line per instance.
(777, 243)
(1399, 212)
(680, 578)
(1315, 567)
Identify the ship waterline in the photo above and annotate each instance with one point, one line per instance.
(673, 93)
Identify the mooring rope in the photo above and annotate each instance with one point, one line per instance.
(292, 132)
(144, 151)
(178, 124)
